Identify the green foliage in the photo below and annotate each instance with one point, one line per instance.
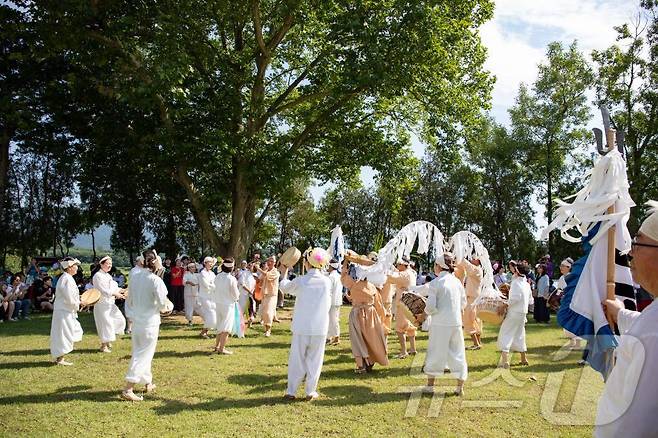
(249, 95)
(549, 119)
(627, 82)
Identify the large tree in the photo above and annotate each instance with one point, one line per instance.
(627, 82)
(549, 118)
(235, 98)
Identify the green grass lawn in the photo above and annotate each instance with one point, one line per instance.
(203, 394)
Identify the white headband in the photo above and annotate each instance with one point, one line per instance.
(650, 225)
(104, 259)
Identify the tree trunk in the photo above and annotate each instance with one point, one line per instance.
(5, 140)
(93, 243)
(549, 192)
(242, 215)
(200, 210)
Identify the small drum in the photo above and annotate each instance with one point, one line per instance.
(359, 259)
(90, 297)
(414, 306)
(290, 257)
(167, 308)
(491, 310)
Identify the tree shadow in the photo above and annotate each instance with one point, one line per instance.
(21, 365)
(349, 395)
(44, 352)
(80, 393)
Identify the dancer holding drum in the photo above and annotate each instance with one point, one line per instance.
(65, 329)
(147, 295)
(366, 330)
(109, 319)
(445, 302)
(512, 332)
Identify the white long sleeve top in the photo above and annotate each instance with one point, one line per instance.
(629, 402)
(246, 281)
(336, 289)
(226, 289)
(206, 283)
(520, 296)
(147, 294)
(191, 289)
(106, 285)
(67, 295)
(312, 292)
(446, 300)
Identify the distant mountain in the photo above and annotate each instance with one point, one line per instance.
(102, 237)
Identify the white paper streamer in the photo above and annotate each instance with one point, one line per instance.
(606, 185)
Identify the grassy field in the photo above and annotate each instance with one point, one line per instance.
(241, 395)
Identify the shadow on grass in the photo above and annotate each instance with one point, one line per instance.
(44, 352)
(21, 365)
(349, 395)
(78, 393)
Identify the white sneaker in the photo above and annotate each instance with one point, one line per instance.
(64, 363)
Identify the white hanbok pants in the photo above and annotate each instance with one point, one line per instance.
(208, 310)
(109, 321)
(65, 330)
(446, 347)
(144, 341)
(191, 306)
(305, 360)
(334, 322)
(511, 336)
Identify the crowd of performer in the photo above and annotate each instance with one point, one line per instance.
(227, 302)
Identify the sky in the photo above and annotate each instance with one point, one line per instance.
(516, 39)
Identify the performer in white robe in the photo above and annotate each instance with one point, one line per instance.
(109, 319)
(333, 334)
(206, 300)
(246, 285)
(511, 336)
(65, 329)
(147, 294)
(139, 265)
(226, 299)
(629, 404)
(446, 301)
(191, 292)
(310, 321)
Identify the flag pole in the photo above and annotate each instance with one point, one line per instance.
(610, 279)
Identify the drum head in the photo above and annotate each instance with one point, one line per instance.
(290, 257)
(90, 297)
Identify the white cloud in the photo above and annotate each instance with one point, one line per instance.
(521, 29)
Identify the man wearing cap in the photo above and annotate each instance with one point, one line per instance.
(65, 329)
(401, 281)
(629, 404)
(206, 290)
(270, 287)
(310, 320)
(333, 334)
(445, 302)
